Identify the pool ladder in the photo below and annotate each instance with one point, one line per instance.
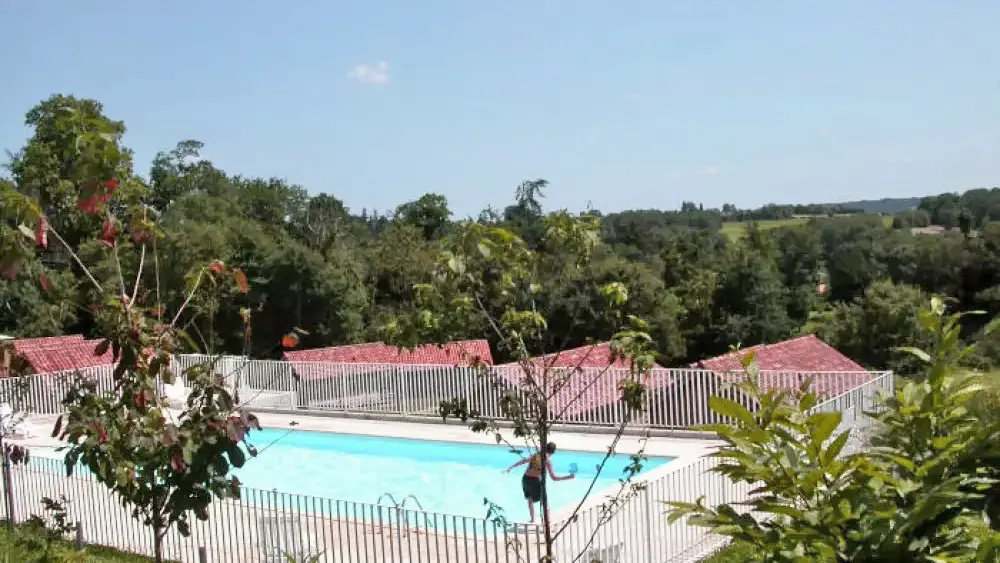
(400, 505)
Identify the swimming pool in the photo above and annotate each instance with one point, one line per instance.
(447, 477)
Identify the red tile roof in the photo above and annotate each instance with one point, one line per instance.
(791, 362)
(460, 353)
(60, 353)
(449, 353)
(584, 378)
(593, 386)
(588, 356)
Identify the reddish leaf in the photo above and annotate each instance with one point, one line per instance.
(109, 233)
(177, 462)
(234, 487)
(217, 266)
(236, 429)
(102, 434)
(139, 230)
(42, 234)
(111, 185)
(10, 273)
(241, 281)
(290, 340)
(140, 400)
(169, 436)
(44, 282)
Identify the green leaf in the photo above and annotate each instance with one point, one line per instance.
(58, 427)
(484, 250)
(923, 356)
(731, 409)
(822, 425)
(26, 231)
(836, 446)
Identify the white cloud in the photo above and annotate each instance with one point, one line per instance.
(823, 131)
(377, 74)
(709, 171)
(633, 96)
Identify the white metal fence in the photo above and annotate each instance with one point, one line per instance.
(676, 398)
(265, 526)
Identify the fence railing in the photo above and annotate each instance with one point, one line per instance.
(676, 398)
(266, 526)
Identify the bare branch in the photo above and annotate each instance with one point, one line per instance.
(187, 299)
(138, 273)
(79, 262)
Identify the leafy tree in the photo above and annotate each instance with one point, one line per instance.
(874, 325)
(486, 275)
(429, 213)
(183, 171)
(918, 494)
(165, 466)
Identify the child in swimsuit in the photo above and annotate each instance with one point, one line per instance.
(531, 482)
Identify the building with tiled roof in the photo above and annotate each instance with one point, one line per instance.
(51, 354)
(587, 382)
(456, 353)
(788, 364)
(57, 354)
(583, 380)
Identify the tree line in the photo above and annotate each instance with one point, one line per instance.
(340, 275)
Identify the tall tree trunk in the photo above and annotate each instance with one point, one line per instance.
(157, 545)
(158, 533)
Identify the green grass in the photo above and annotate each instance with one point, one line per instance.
(14, 548)
(734, 229)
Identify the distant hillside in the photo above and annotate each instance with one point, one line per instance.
(888, 205)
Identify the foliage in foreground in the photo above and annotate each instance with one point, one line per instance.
(165, 466)
(43, 539)
(925, 490)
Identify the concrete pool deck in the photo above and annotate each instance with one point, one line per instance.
(655, 446)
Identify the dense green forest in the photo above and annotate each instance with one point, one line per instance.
(338, 273)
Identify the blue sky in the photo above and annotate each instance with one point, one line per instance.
(622, 104)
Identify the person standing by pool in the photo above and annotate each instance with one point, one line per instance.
(531, 482)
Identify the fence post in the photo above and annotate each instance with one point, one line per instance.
(399, 530)
(647, 494)
(8, 482)
(202, 555)
(79, 535)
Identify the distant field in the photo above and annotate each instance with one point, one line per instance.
(734, 230)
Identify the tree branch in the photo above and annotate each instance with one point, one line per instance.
(79, 262)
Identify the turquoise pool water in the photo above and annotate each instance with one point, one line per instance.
(445, 477)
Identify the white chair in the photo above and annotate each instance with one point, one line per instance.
(610, 554)
(176, 394)
(281, 538)
(12, 423)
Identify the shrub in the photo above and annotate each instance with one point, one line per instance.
(923, 491)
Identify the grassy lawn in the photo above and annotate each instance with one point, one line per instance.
(734, 229)
(13, 547)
